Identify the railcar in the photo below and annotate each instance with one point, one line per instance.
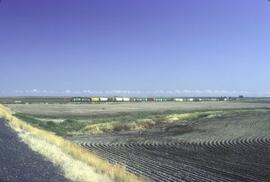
(104, 99)
(76, 99)
(126, 99)
(95, 99)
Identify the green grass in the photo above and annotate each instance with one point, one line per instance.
(62, 128)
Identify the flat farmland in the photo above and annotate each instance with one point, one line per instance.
(62, 110)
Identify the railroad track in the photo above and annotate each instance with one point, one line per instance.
(234, 160)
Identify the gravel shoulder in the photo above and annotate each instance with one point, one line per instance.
(20, 163)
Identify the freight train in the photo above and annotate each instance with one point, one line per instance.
(146, 99)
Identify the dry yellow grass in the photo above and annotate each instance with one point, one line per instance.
(114, 172)
(142, 124)
(73, 169)
(138, 124)
(193, 115)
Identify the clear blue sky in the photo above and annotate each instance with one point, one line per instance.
(183, 47)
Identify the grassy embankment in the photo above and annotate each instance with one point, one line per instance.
(127, 122)
(142, 121)
(114, 172)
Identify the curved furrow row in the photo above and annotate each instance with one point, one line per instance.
(190, 175)
(199, 171)
(175, 167)
(203, 162)
(120, 158)
(241, 159)
(157, 166)
(137, 163)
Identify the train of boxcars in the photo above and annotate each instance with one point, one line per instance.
(147, 99)
(103, 99)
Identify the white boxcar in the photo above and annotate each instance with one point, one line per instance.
(126, 99)
(178, 99)
(118, 99)
(104, 99)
